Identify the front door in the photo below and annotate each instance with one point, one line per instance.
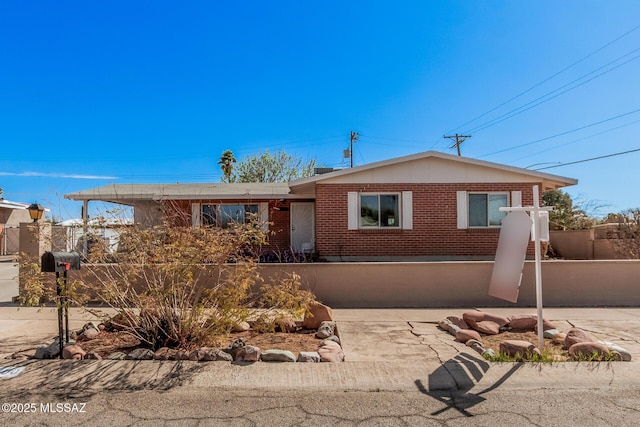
(303, 226)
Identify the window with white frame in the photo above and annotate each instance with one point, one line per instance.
(482, 209)
(379, 210)
(223, 215)
(367, 211)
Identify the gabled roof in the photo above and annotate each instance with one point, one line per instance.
(129, 193)
(433, 167)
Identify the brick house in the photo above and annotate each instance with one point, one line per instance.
(426, 206)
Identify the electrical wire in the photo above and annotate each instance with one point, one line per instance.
(562, 133)
(521, 109)
(590, 159)
(546, 79)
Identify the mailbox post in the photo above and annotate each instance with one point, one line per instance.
(61, 262)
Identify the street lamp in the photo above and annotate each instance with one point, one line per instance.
(35, 211)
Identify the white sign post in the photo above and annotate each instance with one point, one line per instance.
(511, 253)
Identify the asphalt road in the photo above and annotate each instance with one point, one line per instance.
(207, 407)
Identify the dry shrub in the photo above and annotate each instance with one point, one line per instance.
(187, 285)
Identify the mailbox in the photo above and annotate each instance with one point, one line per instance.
(59, 262)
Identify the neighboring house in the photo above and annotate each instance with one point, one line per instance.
(11, 215)
(428, 206)
(70, 235)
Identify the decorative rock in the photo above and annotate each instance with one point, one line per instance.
(121, 321)
(73, 352)
(488, 327)
(235, 346)
(247, 353)
(209, 354)
(458, 321)
(476, 345)
(309, 356)
(50, 351)
(326, 329)
(448, 326)
(465, 335)
(523, 321)
(472, 317)
(559, 338)
(590, 350)
(575, 335)
(550, 333)
(319, 313)
(88, 334)
(22, 355)
(330, 351)
(180, 354)
(625, 356)
(241, 327)
(140, 354)
(546, 325)
(165, 353)
(513, 348)
(117, 355)
(277, 356)
(334, 338)
(90, 325)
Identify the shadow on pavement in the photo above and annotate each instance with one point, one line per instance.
(452, 381)
(86, 378)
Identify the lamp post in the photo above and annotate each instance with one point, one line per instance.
(35, 211)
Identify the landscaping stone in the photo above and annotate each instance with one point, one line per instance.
(334, 338)
(518, 347)
(88, 334)
(247, 353)
(550, 333)
(140, 354)
(23, 355)
(559, 338)
(277, 356)
(448, 326)
(234, 347)
(319, 313)
(241, 327)
(330, 351)
(325, 330)
(309, 356)
(590, 350)
(116, 355)
(50, 351)
(476, 345)
(546, 325)
(458, 321)
(472, 317)
(625, 356)
(73, 352)
(209, 354)
(464, 335)
(523, 321)
(488, 327)
(576, 335)
(164, 353)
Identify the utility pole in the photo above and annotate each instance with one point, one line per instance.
(459, 140)
(353, 138)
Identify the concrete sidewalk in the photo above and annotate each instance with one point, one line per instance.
(385, 350)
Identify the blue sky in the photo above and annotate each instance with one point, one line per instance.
(93, 93)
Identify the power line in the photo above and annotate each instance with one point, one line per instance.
(548, 78)
(590, 159)
(562, 133)
(522, 109)
(459, 140)
(578, 140)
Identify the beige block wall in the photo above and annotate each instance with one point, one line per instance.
(613, 283)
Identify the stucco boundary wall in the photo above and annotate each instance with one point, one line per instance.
(599, 283)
